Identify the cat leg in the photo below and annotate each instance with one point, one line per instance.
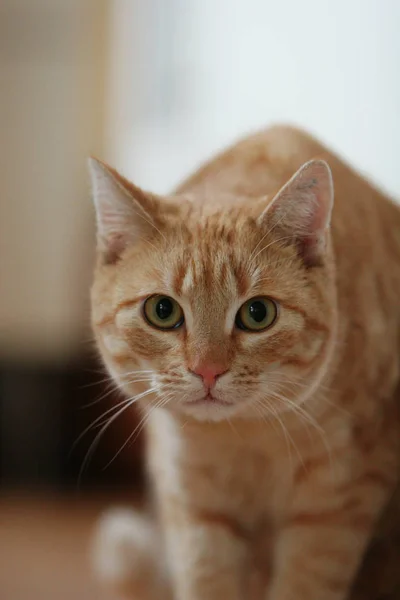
(207, 557)
(127, 556)
(320, 547)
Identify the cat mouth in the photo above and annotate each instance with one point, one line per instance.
(210, 400)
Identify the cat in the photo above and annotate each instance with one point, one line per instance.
(254, 317)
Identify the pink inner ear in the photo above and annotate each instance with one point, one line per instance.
(312, 249)
(312, 242)
(302, 210)
(113, 248)
(311, 238)
(121, 210)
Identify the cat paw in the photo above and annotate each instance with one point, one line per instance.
(124, 551)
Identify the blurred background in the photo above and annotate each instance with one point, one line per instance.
(153, 87)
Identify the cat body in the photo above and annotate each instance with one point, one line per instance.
(273, 451)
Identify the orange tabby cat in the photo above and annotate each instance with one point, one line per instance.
(257, 325)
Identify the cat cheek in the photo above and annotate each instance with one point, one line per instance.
(115, 345)
(127, 318)
(148, 345)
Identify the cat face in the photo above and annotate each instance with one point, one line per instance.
(215, 309)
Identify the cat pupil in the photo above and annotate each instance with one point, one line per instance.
(164, 308)
(258, 311)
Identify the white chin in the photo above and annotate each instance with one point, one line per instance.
(209, 412)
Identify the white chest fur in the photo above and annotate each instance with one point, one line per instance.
(243, 471)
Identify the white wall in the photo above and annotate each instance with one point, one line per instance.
(197, 74)
(51, 118)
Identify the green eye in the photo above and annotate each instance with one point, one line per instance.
(163, 312)
(257, 314)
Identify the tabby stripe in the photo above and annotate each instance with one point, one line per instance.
(328, 519)
(375, 478)
(223, 521)
(311, 322)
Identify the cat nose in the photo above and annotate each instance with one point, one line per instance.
(209, 373)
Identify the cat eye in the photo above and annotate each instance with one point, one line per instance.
(163, 312)
(257, 314)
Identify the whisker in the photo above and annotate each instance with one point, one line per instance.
(94, 383)
(150, 222)
(276, 395)
(286, 237)
(137, 372)
(286, 379)
(264, 403)
(259, 408)
(270, 230)
(320, 396)
(303, 414)
(326, 389)
(150, 243)
(289, 436)
(100, 418)
(112, 388)
(235, 431)
(101, 433)
(141, 380)
(334, 405)
(137, 430)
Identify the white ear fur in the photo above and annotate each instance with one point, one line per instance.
(301, 211)
(120, 210)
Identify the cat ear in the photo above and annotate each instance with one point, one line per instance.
(123, 210)
(301, 211)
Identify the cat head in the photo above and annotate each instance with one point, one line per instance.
(215, 307)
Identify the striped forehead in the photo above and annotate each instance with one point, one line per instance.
(215, 273)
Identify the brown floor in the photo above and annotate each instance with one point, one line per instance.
(44, 548)
(44, 551)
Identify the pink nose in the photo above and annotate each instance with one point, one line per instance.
(209, 373)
